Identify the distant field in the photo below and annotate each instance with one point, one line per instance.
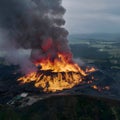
(93, 49)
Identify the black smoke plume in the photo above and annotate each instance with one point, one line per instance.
(36, 25)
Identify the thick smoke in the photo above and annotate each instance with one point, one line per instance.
(35, 25)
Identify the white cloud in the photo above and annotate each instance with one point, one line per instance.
(92, 15)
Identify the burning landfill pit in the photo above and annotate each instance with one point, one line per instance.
(56, 75)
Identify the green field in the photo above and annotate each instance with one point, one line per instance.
(65, 108)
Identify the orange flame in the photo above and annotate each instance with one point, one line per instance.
(56, 75)
(100, 88)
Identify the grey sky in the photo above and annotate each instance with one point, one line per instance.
(89, 16)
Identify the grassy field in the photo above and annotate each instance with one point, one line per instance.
(65, 108)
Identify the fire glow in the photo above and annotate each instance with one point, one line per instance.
(56, 75)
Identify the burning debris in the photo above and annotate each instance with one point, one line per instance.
(56, 75)
(100, 88)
